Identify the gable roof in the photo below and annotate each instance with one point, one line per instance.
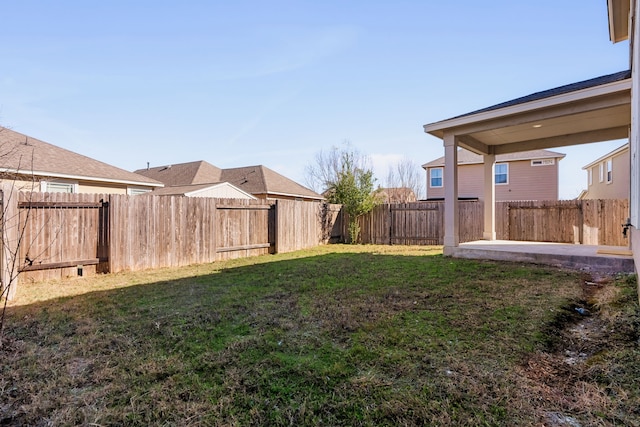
(262, 180)
(23, 154)
(199, 172)
(466, 157)
(621, 149)
(251, 179)
(194, 189)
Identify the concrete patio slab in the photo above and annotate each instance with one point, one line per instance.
(597, 259)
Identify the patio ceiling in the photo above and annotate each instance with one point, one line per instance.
(595, 110)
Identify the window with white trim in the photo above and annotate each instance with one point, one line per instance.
(601, 172)
(132, 191)
(502, 173)
(609, 171)
(60, 187)
(590, 176)
(435, 177)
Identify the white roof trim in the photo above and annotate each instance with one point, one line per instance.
(272, 193)
(79, 177)
(525, 107)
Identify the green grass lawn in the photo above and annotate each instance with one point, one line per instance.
(338, 335)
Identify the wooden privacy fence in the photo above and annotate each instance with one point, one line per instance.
(418, 223)
(59, 235)
(589, 222)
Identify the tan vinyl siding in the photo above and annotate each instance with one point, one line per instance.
(528, 182)
(86, 188)
(525, 182)
(618, 188)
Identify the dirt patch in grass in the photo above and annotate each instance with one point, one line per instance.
(581, 378)
(340, 335)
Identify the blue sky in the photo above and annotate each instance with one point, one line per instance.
(239, 83)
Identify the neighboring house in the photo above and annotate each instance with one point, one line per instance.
(35, 165)
(396, 195)
(608, 176)
(527, 175)
(259, 181)
(604, 108)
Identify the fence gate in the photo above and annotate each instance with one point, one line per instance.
(63, 232)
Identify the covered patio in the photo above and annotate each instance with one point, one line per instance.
(594, 110)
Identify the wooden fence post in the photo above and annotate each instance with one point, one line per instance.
(276, 229)
(10, 223)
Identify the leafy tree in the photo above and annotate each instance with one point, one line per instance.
(346, 178)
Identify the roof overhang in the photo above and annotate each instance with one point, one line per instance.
(618, 11)
(97, 180)
(591, 114)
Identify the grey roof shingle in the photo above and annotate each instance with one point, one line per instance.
(199, 172)
(20, 153)
(561, 90)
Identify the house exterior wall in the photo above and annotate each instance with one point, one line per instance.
(82, 187)
(525, 182)
(618, 188)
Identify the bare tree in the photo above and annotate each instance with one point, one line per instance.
(325, 171)
(12, 226)
(406, 174)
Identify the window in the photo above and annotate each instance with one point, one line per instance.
(60, 187)
(136, 191)
(590, 176)
(502, 173)
(601, 172)
(435, 177)
(609, 171)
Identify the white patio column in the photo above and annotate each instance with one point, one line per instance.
(451, 236)
(489, 232)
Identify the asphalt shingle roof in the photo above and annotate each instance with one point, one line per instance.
(199, 172)
(561, 90)
(252, 179)
(24, 154)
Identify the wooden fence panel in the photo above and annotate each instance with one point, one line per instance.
(602, 222)
(61, 233)
(298, 225)
(243, 228)
(418, 223)
(160, 231)
(470, 221)
(555, 221)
